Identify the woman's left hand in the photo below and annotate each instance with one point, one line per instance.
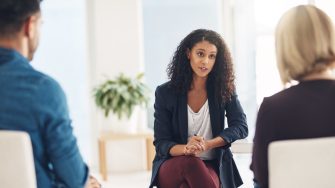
(198, 145)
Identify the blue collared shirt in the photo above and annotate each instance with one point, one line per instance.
(33, 102)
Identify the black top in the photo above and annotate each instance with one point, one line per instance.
(170, 128)
(306, 110)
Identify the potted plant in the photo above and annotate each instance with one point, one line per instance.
(121, 96)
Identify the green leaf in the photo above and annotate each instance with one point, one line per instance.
(121, 95)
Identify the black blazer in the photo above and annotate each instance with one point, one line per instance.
(170, 128)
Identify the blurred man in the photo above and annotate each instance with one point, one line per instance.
(33, 102)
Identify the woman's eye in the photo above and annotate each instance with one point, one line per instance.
(200, 54)
(212, 56)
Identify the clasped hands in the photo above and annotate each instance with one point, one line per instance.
(195, 146)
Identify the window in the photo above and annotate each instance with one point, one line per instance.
(267, 15)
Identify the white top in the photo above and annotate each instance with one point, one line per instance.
(200, 124)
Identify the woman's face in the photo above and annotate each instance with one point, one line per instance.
(202, 58)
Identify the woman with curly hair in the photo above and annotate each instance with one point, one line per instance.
(191, 140)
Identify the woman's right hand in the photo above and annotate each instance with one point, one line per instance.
(194, 146)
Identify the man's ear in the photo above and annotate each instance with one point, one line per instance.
(29, 26)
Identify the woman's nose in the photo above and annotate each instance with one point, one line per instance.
(205, 61)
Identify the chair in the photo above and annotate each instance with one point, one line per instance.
(17, 168)
(305, 163)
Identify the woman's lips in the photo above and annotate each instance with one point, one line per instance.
(203, 69)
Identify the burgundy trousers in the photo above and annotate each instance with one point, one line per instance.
(187, 172)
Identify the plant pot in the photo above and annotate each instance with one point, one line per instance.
(125, 125)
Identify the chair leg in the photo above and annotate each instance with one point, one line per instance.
(150, 152)
(102, 157)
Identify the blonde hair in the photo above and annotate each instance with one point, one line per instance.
(305, 42)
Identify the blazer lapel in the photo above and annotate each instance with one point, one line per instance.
(182, 117)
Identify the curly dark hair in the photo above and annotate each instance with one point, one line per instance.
(222, 75)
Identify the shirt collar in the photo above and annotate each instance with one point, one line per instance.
(7, 55)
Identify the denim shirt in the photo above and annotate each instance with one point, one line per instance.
(35, 103)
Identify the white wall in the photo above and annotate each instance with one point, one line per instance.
(166, 23)
(86, 41)
(116, 45)
(244, 58)
(63, 55)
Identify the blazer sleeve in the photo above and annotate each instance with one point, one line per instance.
(163, 134)
(237, 124)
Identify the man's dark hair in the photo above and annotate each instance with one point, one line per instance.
(13, 13)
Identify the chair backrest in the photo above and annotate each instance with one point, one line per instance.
(305, 163)
(17, 168)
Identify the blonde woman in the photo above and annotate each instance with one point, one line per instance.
(305, 50)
